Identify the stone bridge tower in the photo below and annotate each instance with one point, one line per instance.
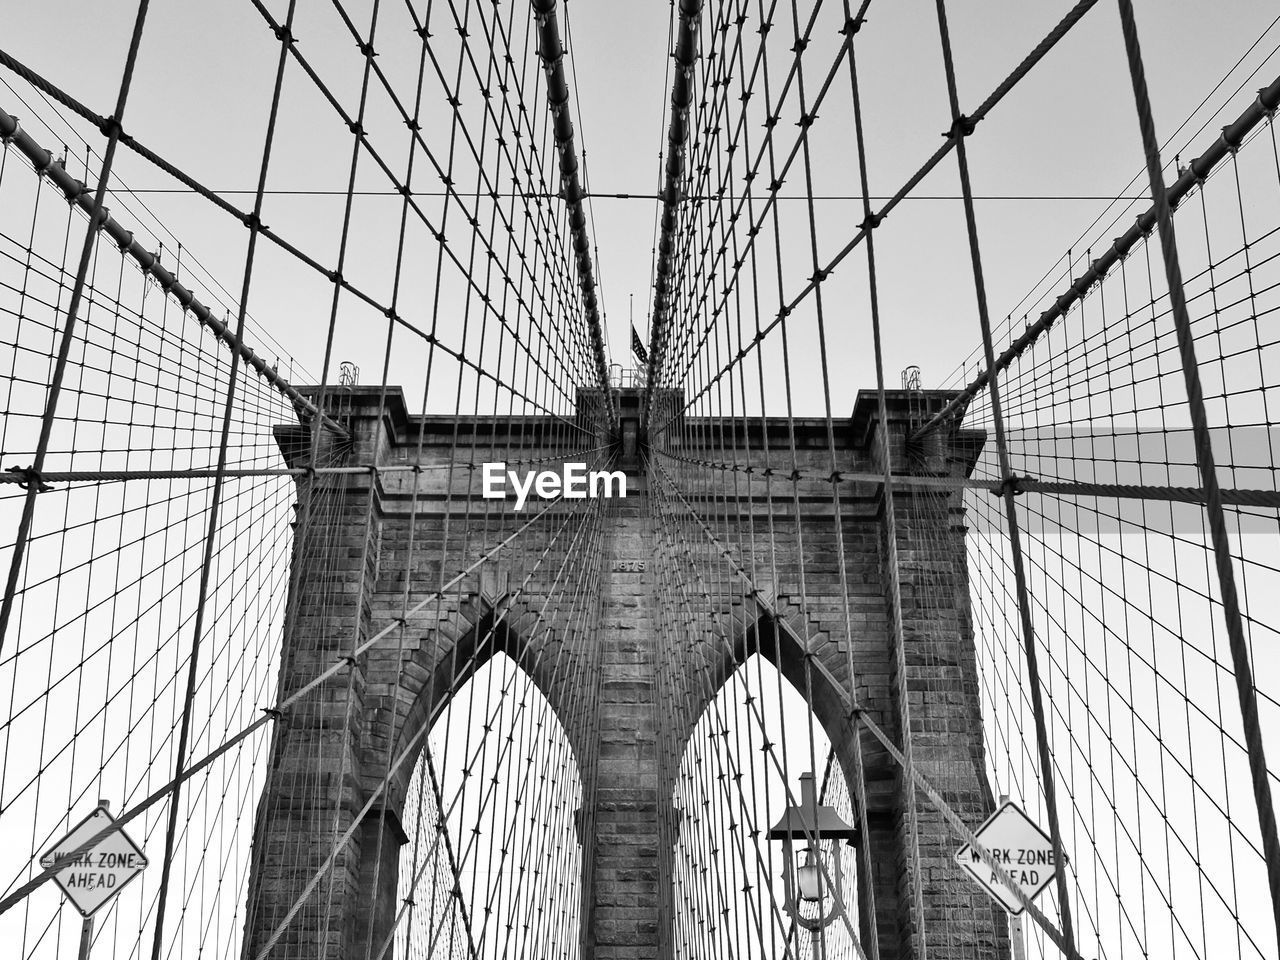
(356, 574)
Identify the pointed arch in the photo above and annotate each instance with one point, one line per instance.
(817, 685)
(449, 664)
(829, 698)
(411, 687)
(492, 802)
(490, 785)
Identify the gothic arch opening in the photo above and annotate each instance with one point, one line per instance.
(491, 864)
(739, 770)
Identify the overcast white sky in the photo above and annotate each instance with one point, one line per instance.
(203, 86)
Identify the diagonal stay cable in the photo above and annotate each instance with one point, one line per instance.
(409, 748)
(269, 714)
(1232, 137)
(852, 707)
(96, 213)
(753, 710)
(1240, 653)
(499, 616)
(1034, 57)
(1022, 484)
(853, 23)
(16, 475)
(264, 229)
(452, 191)
(77, 193)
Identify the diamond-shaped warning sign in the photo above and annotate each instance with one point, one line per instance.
(97, 874)
(1022, 849)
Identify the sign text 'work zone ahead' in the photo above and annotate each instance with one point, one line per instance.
(97, 874)
(1022, 850)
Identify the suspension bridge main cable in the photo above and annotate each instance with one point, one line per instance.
(69, 325)
(551, 50)
(1190, 178)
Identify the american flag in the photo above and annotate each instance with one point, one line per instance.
(637, 346)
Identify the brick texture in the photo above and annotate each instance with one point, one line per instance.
(330, 753)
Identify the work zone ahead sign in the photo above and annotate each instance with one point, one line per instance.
(1022, 849)
(97, 874)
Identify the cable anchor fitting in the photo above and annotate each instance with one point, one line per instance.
(962, 127)
(1232, 147)
(1012, 484)
(1268, 111)
(110, 127)
(32, 479)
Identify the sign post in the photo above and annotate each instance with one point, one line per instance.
(86, 938)
(1015, 923)
(1022, 849)
(94, 877)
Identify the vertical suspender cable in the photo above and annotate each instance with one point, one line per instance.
(1233, 135)
(870, 221)
(211, 535)
(149, 263)
(1204, 459)
(96, 218)
(961, 128)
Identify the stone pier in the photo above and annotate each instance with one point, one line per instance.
(604, 686)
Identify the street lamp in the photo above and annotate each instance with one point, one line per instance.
(819, 826)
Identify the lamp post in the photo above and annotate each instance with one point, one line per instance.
(821, 828)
